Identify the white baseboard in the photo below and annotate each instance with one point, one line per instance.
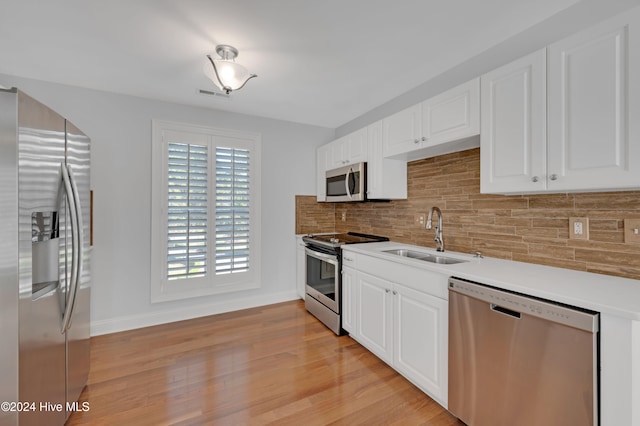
(131, 322)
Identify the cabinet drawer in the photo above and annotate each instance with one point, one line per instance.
(349, 259)
(418, 279)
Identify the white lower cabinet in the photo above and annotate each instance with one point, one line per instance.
(349, 276)
(374, 316)
(405, 327)
(420, 340)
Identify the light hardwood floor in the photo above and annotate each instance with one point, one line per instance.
(270, 365)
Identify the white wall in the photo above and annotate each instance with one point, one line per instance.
(120, 130)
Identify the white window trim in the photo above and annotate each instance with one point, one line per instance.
(162, 289)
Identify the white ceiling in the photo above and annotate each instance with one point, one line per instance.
(321, 62)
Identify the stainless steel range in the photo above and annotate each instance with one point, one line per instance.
(324, 274)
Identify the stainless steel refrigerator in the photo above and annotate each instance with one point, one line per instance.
(44, 262)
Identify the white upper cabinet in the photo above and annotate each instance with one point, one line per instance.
(349, 149)
(591, 138)
(437, 126)
(386, 178)
(443, 124)
(594, 107)
(452, 115)
(402, 131)
(513, 143)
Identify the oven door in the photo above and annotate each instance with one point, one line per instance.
(347, 183)
(323, 278)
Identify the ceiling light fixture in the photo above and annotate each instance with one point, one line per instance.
(227, 74)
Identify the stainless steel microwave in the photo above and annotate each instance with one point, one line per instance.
(347, 183)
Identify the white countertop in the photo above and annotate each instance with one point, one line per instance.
(603, 293)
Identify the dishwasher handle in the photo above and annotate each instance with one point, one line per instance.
(508, 302)
(505, 311)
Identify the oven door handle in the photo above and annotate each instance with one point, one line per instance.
(322, 256)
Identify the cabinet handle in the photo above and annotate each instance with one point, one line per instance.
(386, 290)
(416, 141)
(395, 292)
(553, 177)
(348, 259)
(534, 179)
(424, 139)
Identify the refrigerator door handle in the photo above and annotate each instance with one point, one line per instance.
(80, 235)
(66, 318)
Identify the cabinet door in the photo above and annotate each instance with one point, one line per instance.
(402, 131)
(374, 163)
(452, 115)
(349, 277)
(421, 339)
(374, 316)
(349, 149)
(386, 177)
(513, 141)
(594, 105)
(357, 146)
(323, 163)
(339, 153)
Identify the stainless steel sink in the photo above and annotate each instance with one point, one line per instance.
(427, 257)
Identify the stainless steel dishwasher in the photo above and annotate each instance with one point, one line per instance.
(518, 360)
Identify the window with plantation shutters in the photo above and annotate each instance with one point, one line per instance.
(206, 223)
(187, 210)
(232, 210)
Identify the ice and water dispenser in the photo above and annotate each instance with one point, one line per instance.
(45, 252)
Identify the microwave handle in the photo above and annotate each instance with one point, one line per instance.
(346, 182)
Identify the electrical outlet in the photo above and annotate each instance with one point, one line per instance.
(344, 216)
(579, 228)
(632, 231)
(420, 219)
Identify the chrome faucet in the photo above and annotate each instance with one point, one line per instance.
(439, 239)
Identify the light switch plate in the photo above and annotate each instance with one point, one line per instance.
(632, 231)
(579, 228)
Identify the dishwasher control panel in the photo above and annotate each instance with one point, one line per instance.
(516, 304)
